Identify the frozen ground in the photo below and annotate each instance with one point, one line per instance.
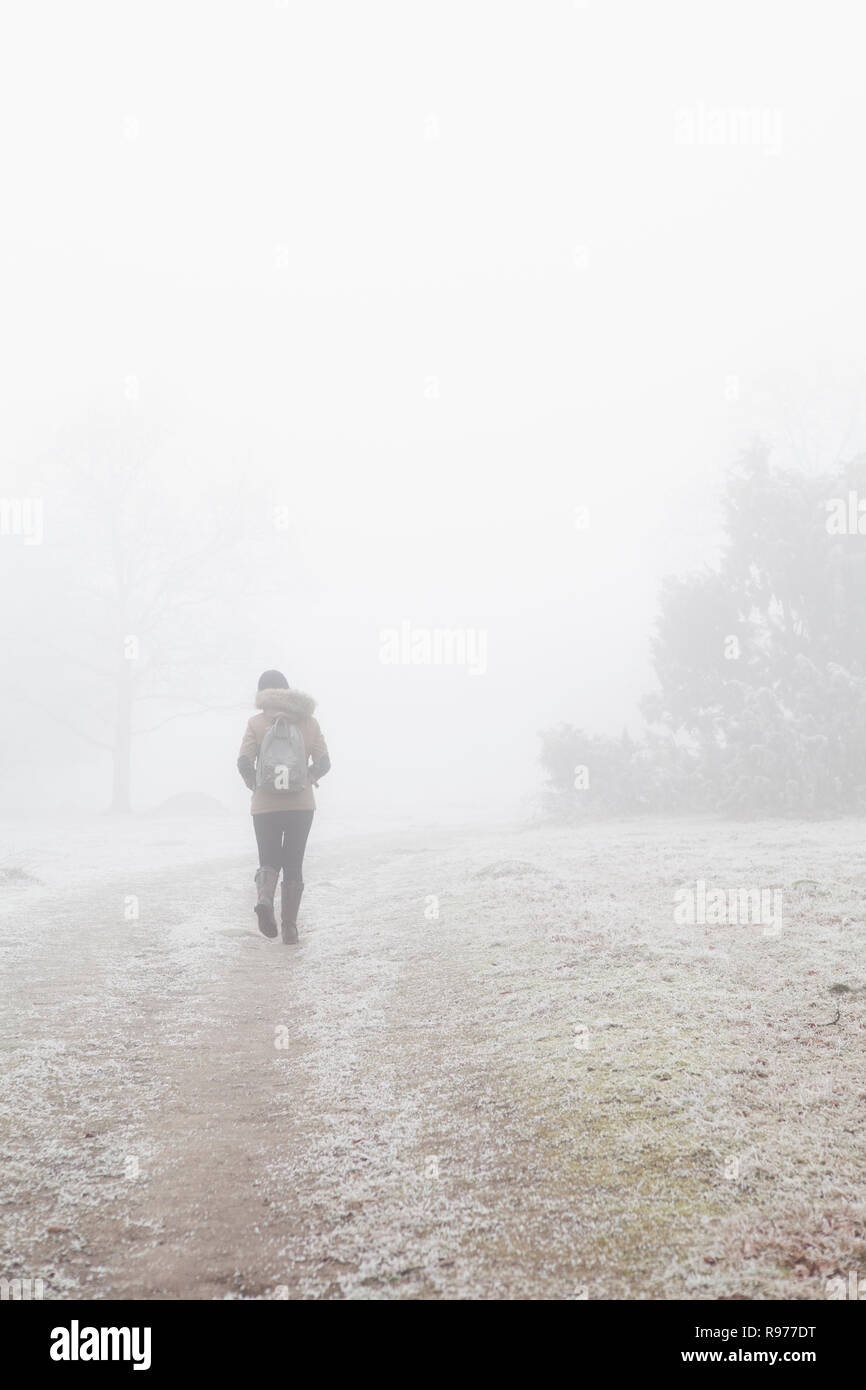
(552, 1089)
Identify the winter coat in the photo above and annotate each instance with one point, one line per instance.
(299, 707)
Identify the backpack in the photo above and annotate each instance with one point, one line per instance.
(282, 762)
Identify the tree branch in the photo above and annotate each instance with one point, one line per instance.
(186, 714)
(49, 709)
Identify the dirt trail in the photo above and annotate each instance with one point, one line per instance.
(535, 1093)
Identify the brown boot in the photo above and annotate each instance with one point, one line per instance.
(290, 901)
(266, 883)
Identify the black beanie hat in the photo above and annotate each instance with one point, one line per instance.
(272, 680)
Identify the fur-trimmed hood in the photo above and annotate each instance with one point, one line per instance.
(291, 702)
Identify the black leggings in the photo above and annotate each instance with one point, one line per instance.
(282, 838)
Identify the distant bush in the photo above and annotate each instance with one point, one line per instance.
(590, 774)
(15, 877)
(760, 707)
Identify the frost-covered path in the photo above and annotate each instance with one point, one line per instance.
(548, 1090)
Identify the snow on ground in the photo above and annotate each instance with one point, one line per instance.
(496, 1066)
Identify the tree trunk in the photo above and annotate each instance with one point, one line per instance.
(122, 769)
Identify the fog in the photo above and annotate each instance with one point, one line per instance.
(492, 373)
(433, 278)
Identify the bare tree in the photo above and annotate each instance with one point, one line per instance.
(130, 599)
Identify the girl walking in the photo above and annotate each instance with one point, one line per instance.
(283, 755)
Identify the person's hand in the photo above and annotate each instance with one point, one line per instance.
(318, 769)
